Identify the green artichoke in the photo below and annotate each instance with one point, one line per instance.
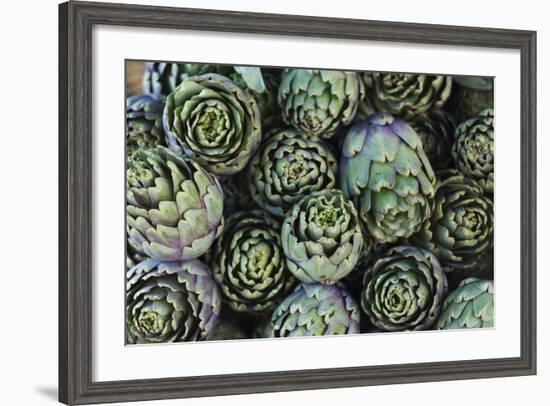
(316, 310)
(404, 289)
(319, 102)
(174, 207)
(473, 149)
(322, 238)
(170, 301)
(436, 131)
(144, 122)
(287, 167)
(248, 263)
(227, 330)
(470, 95)
(406, 95)
(460, 230)
(386, 173)
(471, 305)
(213, 121)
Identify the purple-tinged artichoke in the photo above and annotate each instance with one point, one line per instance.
(471, 305)
(322, 238)
(404, 289)
(288, 167)
(316, 310)
(174, 207)
(213, 121)
(319, 102)
(170, 302)
(473, 149)
(384, 170)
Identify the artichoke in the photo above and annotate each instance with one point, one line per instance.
(144, 122)
(386, 173)
(460, 230)
(227, 330)
(471, 305)
(404, 289)
(248, 263)
(174, 207)
(406, 95)
(170, 301)
(212, 120)
(322, 238)
(316, 310)
(288, 167)
(470, 95)
(473, 149)
(436, 131)
(319, 102)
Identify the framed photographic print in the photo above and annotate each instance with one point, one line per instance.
(260, 202)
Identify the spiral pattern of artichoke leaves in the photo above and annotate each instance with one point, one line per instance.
(386, 173)
(144, 122)
(213, 121)
(170, 301)
(248, 263)
(287, 167)
(473, 149)
(406, 95)
(404, 289)
(174, 207)
(316, 310)
(322, 237)
(470, 305)
(436, 131)
(319, 102)
(460, 230)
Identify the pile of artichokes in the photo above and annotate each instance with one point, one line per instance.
(265, 202)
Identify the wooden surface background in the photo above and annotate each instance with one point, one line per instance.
(134, 77)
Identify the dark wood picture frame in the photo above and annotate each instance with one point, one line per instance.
(76, 20)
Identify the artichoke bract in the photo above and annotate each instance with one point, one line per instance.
(406, 95)
(471, 305)
(213, 121)
(248, 263)
(316, 310)
(404, 289)
(460, 230)
(170, 301)
(384, 170)
(319, 102)
(144, 122)
(473, 149)
(174, 207)
(436, 131)
(322, 238)
(287, 167)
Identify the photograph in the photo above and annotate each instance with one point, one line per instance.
(279, 202)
